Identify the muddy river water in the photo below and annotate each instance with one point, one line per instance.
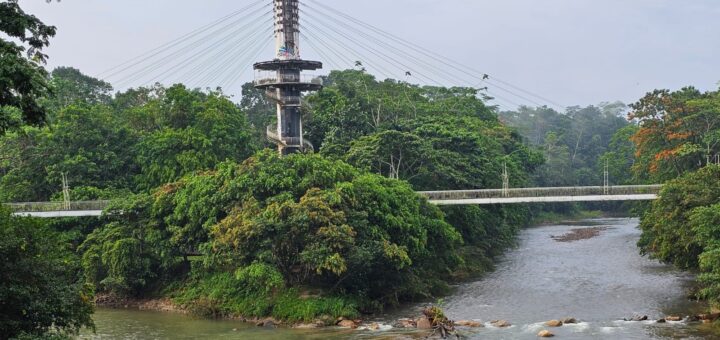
(598, 280)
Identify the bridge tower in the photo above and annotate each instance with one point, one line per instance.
(283, 81)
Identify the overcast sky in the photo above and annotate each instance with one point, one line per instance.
(574, 52)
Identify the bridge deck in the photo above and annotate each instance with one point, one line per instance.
(450, 197)
(557, 194)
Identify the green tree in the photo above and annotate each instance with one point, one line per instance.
(23, 80)
(40, 293)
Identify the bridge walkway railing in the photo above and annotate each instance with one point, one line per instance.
(29, 207)
(541, 192)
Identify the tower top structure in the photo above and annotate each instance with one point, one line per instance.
(283, 81)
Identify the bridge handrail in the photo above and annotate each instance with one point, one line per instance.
(542, 192)
(57, 206)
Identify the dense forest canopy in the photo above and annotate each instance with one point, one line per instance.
(574, 143)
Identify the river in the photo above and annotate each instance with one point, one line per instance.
(598, 281)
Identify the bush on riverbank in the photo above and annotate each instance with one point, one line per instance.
(40, 294)
(683, 226)
(271, 227)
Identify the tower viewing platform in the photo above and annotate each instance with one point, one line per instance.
(283, 81)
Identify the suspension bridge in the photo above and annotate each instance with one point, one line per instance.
(449, 197)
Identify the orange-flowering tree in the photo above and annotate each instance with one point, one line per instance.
(678, 132)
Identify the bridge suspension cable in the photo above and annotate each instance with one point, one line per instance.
(472, 76)
(204, 56)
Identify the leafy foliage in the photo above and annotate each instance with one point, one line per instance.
(40, 292)
(22, 78)
(574, 143)
(138, 140)
(679, 132)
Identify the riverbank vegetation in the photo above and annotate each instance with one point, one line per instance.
(678, 141)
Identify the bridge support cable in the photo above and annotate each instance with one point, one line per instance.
(167, 68)
(163, 48)
(238, 60)
(344, 48)
(462, 70)
(141, 70)
(434, 69)
(224, 57)
(241, 68)
(348, 42)
(401, 66)
(327, 60)
(167, 63)
(428, 66)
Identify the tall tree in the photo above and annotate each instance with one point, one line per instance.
(23, 80)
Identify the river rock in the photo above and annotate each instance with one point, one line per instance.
(711, 317)
(468, 323)
(270, 323)
(545, 334)
(661, 321)
(569, 320)
(405, 323)
(373, 326)
(347, 324)
(673, 318)
(423, 323)
(693, 318)
(306, 326)
(637, 318)
(554, 323)
(500, 323)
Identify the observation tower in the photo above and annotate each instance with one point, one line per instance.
(283, 81)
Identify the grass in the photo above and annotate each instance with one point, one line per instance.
(223, 295)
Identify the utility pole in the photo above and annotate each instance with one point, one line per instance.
(506, 181)
(66, 192)
(283, 82)
(606, 179)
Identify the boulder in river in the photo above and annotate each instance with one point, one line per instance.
(711, 317)
(673, 318)
(500, 323)
(270, 323)
(545, 334)
(306, 326)
(423, 323)
(468, 323)
(569, 320)
(554, 323)
(661, 321)
(405, 323)
(347, 324)
(637, 318)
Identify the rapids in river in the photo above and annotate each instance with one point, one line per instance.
(598, 280)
